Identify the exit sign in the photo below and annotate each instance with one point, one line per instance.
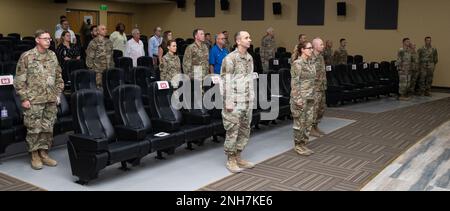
(103, 7)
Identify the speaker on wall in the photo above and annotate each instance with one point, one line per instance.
(277, 8)
(181, 3)
(60, 1)
(341, 9)
(224, 4)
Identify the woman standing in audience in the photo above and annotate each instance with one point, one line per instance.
(303, 74)
(170, 63)
(67, 50)
(119, 38)
(163, 49)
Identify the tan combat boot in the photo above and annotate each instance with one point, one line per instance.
(243, 163)
(232, 164)
(36, 162)
(46, 159)
(320, 131)
(314, 132)
(403, 98)
(301, 149)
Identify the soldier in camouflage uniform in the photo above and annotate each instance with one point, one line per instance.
(404, 63)
(340, 55)
(170, 64)
(428, 58)
(414, 69)
(268, 49)
(238, 95)
(301, 38)
(196, 57)
(328, 53)
(320, 86)
(39, 84)
(99, 55)
(303, 77)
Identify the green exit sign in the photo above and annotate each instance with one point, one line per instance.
(103, 7)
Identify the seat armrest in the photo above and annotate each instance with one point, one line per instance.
(6, 122)
(88, 143)
(130, 134)
(165, 125)
(193, 118)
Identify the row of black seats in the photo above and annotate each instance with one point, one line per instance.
(352, 82)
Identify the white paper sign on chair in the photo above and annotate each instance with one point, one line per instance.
(276, 62)
(353, 66)
(6, 80)
(377, 66)
(328, 68)
(163, 85)
(366, 66)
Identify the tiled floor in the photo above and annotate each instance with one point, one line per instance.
(426, 166)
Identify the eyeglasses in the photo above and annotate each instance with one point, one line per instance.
(45, 38)
(310, 48)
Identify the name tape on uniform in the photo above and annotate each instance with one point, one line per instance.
(276, 62)
(216, 79)
(6, 80)
(377, 66)
(353, 66)
(163, 85)
(255, 75)
(328, 68)
(366, 66)
(198, 70)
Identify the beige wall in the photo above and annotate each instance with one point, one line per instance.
(417, 19)
(25, 16)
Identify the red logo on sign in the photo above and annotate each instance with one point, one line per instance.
(5, 81)
(163, 86)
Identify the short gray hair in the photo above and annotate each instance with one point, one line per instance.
(135, 31)
(40, 32)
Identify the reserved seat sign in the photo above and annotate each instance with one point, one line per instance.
(163, 85)
(6, 80)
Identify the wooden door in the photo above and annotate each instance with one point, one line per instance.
(77, 19)
(115, 17)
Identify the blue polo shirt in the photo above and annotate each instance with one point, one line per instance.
(216, 55)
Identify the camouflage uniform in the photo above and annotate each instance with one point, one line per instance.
(39, 81)
(303, 77)
(196, 56)
(170, 67)
(404, 61)
(414, 71)
(267, 51)
(238, 90)
(99, 57)
(328, 56)
(320, 87)
(340, 56)
(428, 58)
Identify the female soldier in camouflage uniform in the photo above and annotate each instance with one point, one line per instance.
(170, 63)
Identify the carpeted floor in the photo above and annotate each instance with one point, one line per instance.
(8, 183)
(346, 159)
